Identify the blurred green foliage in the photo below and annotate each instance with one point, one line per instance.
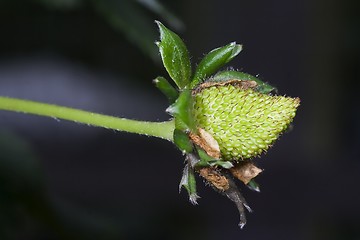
(129, 17)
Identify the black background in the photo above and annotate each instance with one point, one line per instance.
(62, 180)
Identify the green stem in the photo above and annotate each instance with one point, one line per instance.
(162, 130)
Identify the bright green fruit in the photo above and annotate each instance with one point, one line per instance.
(243, 122)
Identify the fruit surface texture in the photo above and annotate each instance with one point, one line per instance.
(244, 122)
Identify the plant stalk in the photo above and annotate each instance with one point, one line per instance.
(162, 130)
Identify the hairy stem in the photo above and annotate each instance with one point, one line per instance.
(162, 130)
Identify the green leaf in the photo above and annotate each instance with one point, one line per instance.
(204, 158)
(182, 111)
(188, 181)
(215, 60)
(175, 56)
(208, 161)
(253, 185)
(167, 89)
(223, 164)
(182, 141)
(230, 75)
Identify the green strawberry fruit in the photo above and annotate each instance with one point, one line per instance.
(244, 122)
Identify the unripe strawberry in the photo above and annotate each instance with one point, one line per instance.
(244, 122)
(222, 123)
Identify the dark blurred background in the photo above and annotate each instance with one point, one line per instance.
(61, 180)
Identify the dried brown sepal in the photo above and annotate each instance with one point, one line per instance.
(215, 178)
(239, 83)
(207, 142)
(245, 171)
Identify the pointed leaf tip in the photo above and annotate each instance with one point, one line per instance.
(188, 182)
(214, 60)
(166, 88)
(175, 56)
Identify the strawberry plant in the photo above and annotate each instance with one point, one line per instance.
(220, 119)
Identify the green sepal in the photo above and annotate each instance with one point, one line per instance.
(207, 161)
(188, 182)
(214, 60)
(230, 75)
(182, 141)
(175, 56)
(182, 111)
(223, 164)
(166, 88)
(253, 185)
